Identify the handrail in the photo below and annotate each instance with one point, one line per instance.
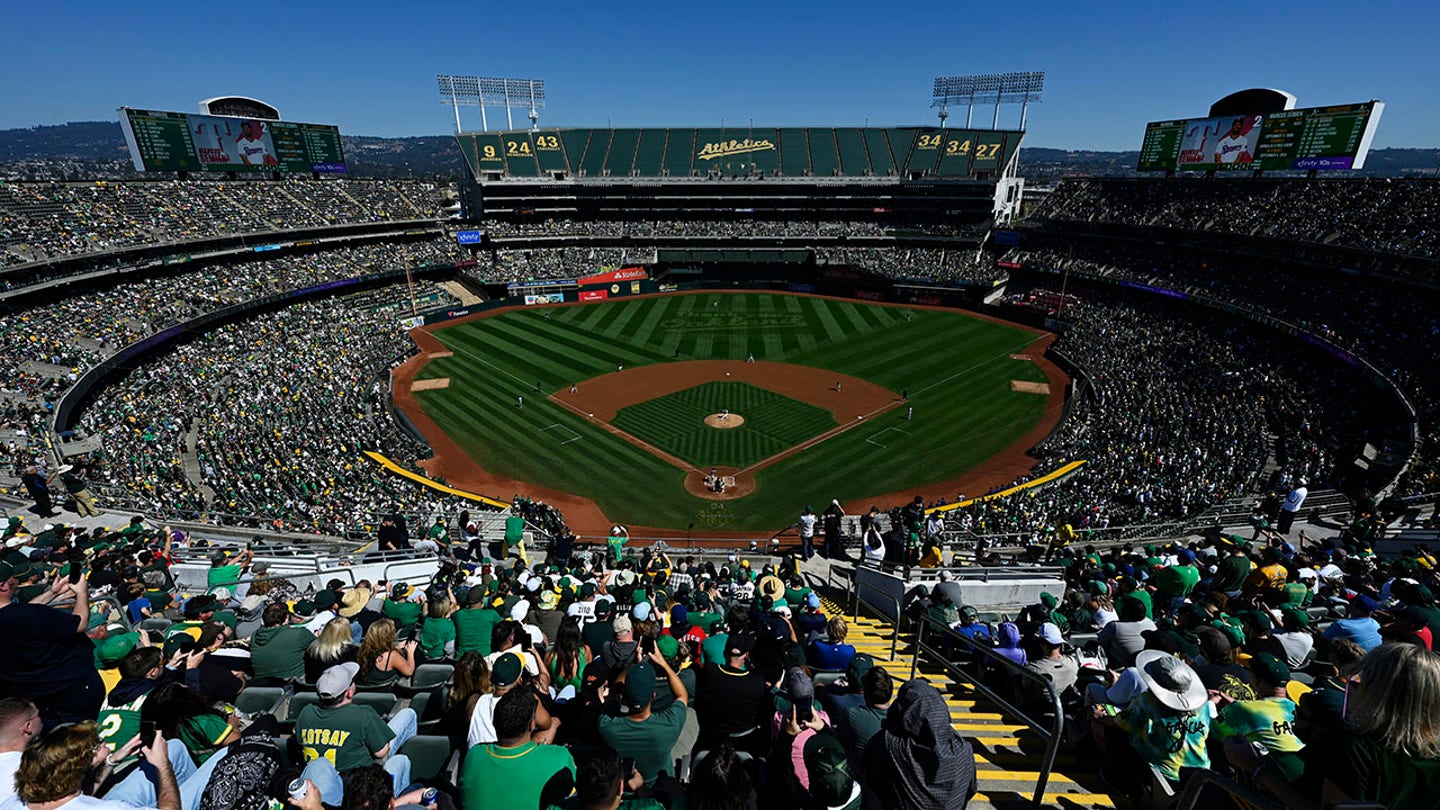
(1053, 733)
(899, 616)
(1198, 780)
(849, 577)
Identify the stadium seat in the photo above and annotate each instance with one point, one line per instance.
(383, 703)
(262, 699)
(827, 677)
(298, 702)
(430, 757)
(156, 623)
(426, 678)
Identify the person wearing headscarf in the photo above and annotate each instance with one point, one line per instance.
(917, 761)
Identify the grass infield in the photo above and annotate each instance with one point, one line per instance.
(676, 423)
(956, 368)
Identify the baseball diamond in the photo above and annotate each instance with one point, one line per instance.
(646, 371)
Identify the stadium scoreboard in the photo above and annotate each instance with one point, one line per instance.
(188, 142)
(1324, 138)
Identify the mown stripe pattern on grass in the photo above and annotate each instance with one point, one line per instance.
(676, 423)
(957, 369)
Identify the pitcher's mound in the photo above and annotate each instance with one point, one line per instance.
(724, 422)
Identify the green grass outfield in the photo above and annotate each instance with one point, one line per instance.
(676, 423)
(957, 369)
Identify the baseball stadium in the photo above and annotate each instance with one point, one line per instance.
(822, 466)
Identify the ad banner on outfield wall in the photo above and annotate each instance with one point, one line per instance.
(613, 276)
(545, 298)
(594, 295)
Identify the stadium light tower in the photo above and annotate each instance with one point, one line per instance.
(988, 88)
(487, 91)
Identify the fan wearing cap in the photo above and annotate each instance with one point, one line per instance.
(1269, 720)
(341, 734)
(1063, 670)
(1359, 626)
(401, 605)
(1168, 723)
(226, 571)
(475, 623)
(634, 729)
(505, 675)
(1295, 636)
(733, 703)
(1177, 581)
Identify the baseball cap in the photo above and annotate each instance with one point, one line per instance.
(679, 615)
(507, 670)
(304, 608)
(799, 686)
(335, 680)
(832, 781)
(622, 625)
(737, 644)
(1270, 669)
(812, 601)
(642, 611)
(860, 664)
(668, 646)
(587, 590)
(1186, 556)
(639, 685)
(1050, 634)
(324, 600)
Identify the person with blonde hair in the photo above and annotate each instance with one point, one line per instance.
(832, 654)
(383, 658)
(1390, 756)
(333, 646)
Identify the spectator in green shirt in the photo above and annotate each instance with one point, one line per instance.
(1177, 581)
(277, 650)
(646, 736)
(475, 624)
(399, 606)
(225, 573)
(437, 632)
(515, 773)
(337, 735)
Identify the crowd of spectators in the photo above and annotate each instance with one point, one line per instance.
(932, 265)
(583, 680)
(40, 221)
(280, 407)
(1388, 323)
(1220, 409)
(1300, 668)
(639, 228)
(1382, 214)
(46, 345)
(557, 263)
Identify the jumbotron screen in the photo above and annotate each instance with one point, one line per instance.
(1323, 138)
(190, 142)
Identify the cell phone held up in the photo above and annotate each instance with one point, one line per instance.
(147, 733)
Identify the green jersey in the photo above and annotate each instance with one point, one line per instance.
(514, 530)
(434, 635)
(473, 628)
(1270, 722)
(121, 724)
(649, 741)
(405, 614)
(525, 777)
(221, 576)
(348, 736)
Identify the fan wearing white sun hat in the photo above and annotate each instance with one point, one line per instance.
(1167, 724)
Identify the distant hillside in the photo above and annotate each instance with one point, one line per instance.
(96, 149)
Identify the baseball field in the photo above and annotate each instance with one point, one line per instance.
(629, 405)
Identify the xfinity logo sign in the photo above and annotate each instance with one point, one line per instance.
(467, 237)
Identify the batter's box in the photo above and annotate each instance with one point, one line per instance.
(875, 439)
(574, 437)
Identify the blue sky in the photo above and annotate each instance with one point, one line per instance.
(369, 66)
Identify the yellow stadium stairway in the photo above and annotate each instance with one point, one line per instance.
(1008, 755)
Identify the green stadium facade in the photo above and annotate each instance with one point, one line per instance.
(893, 175)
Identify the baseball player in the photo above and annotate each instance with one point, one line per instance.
(725, 414)
(519, 402)
(575, 388)
(252, 150)
(1234, 147)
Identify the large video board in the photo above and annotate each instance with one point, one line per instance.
(1313, 138)
(190, 142)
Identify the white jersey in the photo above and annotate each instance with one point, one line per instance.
(252, 152)
(1230, 147)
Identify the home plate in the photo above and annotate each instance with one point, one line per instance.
(1029, 387)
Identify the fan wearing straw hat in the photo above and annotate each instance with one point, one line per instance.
(1167, 724)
